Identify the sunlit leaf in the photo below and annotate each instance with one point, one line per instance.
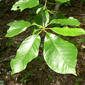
(23, 4)
(65, 31)
(60, 55)
(17, 27)
(66, 21)
(27, 51)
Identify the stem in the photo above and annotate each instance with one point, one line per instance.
(45, 4)
(56, 8)
(47, 28)
(39, 33)
(43, 29)
(43, 19)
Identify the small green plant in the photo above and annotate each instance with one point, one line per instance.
(26, 77)
(59, 54)
(82, 40)
(51, 78)
(78, 81)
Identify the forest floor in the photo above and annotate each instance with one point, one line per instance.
(37, 72)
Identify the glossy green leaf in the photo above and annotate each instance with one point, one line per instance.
(23, 4)
(62, 1)
(17, 27)
(65, 31)
(27, 51)
(66, 21)
(60, 55)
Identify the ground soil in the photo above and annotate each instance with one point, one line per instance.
(37, 72)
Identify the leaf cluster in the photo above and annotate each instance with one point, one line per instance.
(59, 54)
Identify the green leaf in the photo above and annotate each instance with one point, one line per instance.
(39, 10)
(42, 18)
(46, 18)
(60, 15)
(62, 1)
(38, 19)
(23, 4)
(34, 31)
(27, 51)
(60, 55)
(65, 31)
(17, 27)
(82, 40)
(67, 21)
